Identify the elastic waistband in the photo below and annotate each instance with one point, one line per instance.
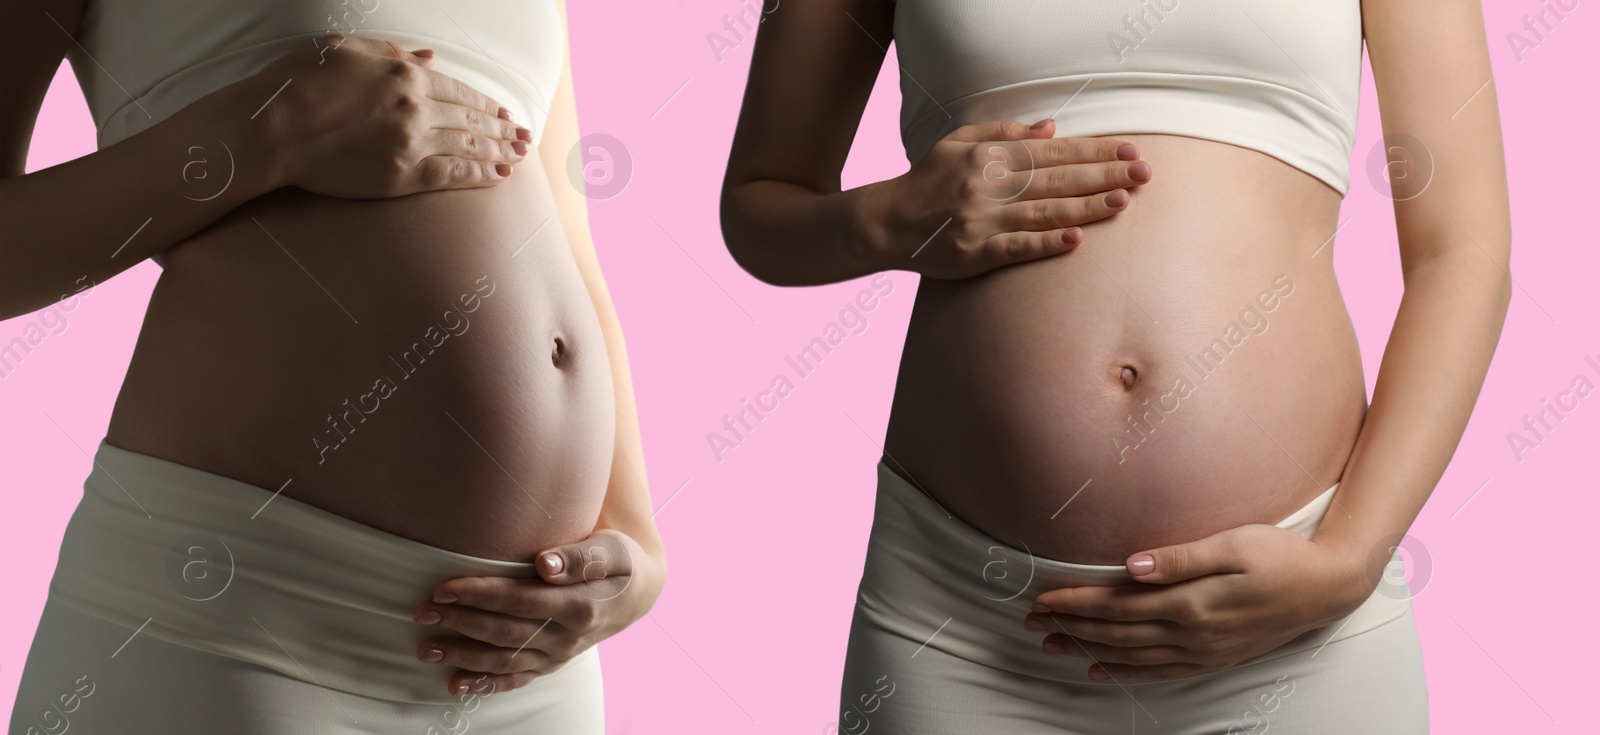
(221, 566)
(932, 578)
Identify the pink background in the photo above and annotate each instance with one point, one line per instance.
(766, 546)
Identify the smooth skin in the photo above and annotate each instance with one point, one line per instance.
(519, 629)
(1237, 594)
(1218, 601)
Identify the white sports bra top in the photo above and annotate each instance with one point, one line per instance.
(1278, 77)
(139, 61)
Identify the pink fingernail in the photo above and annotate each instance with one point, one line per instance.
(1039, 125)
(502, 169)
(1033, 625)
(1098, 674)
(429, 617)
(1040, 607)
(1117, 198)
(433, 655)
(1127, 152)
(1073, 236)
(521, 147)
(1054, 647)
(503, 114)
(445, 598)
(553, 564)
(1139, 171)
(1141, 564)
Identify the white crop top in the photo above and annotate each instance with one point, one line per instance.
(1280, 77)
(142, 60)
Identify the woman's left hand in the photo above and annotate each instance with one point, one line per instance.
(1203, 606)
(517, 629)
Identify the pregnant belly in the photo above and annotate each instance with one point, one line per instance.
(430, 365)
(1191, 368)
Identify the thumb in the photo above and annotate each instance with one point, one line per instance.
(1004, 130)
(1168, 564)
(595, 558)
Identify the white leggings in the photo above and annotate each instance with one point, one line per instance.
(186, 602)
(937, 647)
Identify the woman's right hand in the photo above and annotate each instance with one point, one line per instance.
(365, 119)
(995, 194)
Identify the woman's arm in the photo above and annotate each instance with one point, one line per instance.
(338, 130)
(1431, 66)
(1246, 591)
(955, 214)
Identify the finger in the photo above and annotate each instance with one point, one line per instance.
(1068, 151)
(1036, 215)
(485, 685)
(477, 656)
(1008, 248)
(530, 599)
(1123, 634)
(449, 172)
(1062, 645)
(1078, 179)
(601, 556)
(493, 628)
(445, 88)
(1122, 603)
(1003, 130)
(1215, 554)
(474, 146)
(451, 116)
(1124, 673)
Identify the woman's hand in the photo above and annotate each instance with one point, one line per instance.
(360, 118)
(991, 195)
(518, 629)
(1203, 606)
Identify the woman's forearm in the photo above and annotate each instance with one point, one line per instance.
(1444, 337)
(791, 235)
(101, 214)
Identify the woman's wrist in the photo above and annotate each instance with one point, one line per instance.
(872, 221)
(243, 118)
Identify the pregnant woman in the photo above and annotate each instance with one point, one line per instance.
(375, 466)
(1131, 481)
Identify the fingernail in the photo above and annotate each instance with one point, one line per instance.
(445, 598)
(553, 563)
(1139, 171)
(1141, 564)
(429, 617)
(520, 147)
(502, 169)
(525, 134)
(1126, 152)
(1073, 236)
(433, 655)
(1053, 647)
(460, 688)
(1117, 198)
(1098, 674)
(1039, 125)
(1040, 607)
(426, 53)
(504, 114)
(1033, 625)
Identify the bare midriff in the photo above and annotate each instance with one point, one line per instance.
(430, 365)
(1189, 369)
